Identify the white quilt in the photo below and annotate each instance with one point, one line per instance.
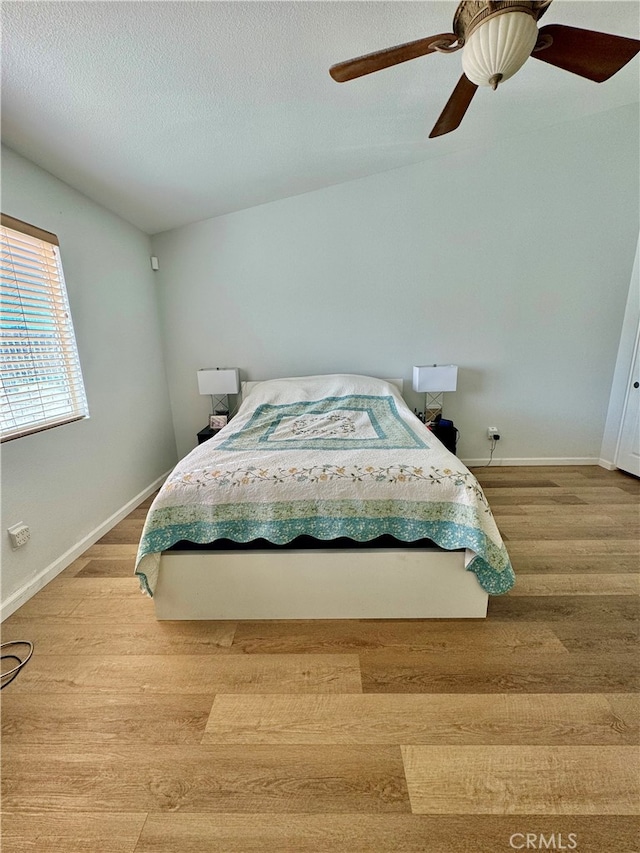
(326, 456)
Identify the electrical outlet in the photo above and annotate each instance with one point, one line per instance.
(19, 535)
(493, 433)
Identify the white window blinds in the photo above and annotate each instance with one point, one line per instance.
(40, 370)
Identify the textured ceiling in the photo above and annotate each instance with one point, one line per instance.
(171, 112)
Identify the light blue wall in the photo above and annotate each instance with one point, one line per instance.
(513, 262)
(65, 482)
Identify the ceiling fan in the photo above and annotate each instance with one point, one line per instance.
(498, 36)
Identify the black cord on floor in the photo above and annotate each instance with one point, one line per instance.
(13, 672)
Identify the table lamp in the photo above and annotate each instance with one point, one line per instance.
(433, 380)
(218, 382)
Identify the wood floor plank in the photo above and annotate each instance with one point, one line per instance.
(516, 496)
(127, 532)
(561, 608)
(604, 637)
(502, 500)
(122, 552)
(607, 546)
(577, 584)
(632, 486)
(106, 568)
(538, 471)
(140, 513)
(131, 606)
(609, 496)
(492, 672)
(421, 719)
(626, 706)
(84, 637)
(146, 503)
(523, 780)
(205, 778)
(102, 587)
(580, 564)
(189, 674)
(389, 833)
(627, 512)
(513, 480)
(598, 527)
(85, 832)
(582, 471)
(74, 567)
(58, 718)
(345, 636)
(568, 513)
(585, 474)
(599, 477)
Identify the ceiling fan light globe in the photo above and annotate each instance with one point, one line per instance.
(499, 46)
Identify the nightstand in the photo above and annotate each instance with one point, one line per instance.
(446, 432)
(206, 433)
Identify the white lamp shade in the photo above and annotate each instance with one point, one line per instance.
(218, 380)
(500, 45)
(435, 378)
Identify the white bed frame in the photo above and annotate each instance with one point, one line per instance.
(318, 584)
(310, 584)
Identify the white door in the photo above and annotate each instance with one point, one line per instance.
(628, 454)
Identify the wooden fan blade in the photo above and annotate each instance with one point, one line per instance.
(361, 65)
(456, 107)
(596, 56)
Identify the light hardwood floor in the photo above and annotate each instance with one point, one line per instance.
(126, 735)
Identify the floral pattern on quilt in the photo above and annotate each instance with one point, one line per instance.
(323, 473)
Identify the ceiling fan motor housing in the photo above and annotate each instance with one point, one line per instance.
(498, 37)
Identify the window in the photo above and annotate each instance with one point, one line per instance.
(40, 371)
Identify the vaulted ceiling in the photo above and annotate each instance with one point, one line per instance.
(171, 112)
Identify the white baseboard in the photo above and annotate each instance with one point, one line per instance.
(496, 463)
(610, 466)
(18, 598)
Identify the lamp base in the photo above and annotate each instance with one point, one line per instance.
(433, 406)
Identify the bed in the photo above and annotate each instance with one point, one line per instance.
(324, 497)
